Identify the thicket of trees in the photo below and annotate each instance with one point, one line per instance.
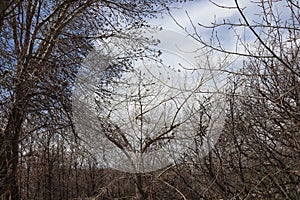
(42, 156)
(42, 46)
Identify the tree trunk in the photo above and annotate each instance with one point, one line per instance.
(140, 193)
(9, 142)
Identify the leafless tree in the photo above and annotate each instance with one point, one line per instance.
(257, 155)
(42, 46)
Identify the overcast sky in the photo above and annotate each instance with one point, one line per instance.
(205, 12)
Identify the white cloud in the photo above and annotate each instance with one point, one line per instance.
(202, 11)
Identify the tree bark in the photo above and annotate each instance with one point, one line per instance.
(9, 141)
(140, 193)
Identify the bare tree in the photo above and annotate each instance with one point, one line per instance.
(144, 116)
(257, 155)
(42, 45)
